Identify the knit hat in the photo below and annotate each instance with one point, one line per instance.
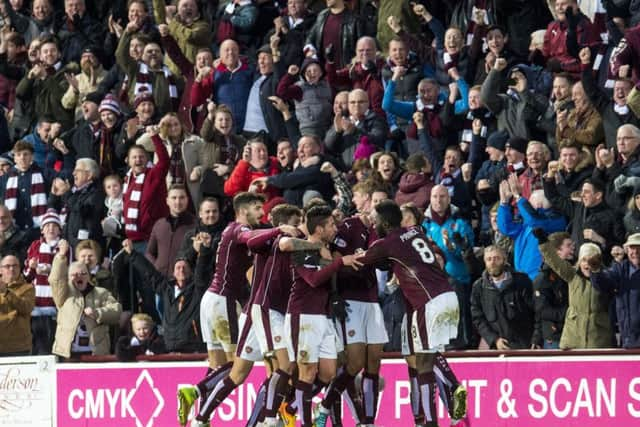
(517, 143)
(498, 139)
(110, 103)
(51, 217)
(6, 159)
(364, 149)
(308, 61)
(143, 96)
(95, 97)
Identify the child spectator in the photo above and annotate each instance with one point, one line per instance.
(144, 340)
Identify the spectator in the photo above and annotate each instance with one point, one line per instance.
(187, 26)
(621, 279)
(292, 30)
(45, 84)
(210, 222)
(144, 187)
(551, 292)
(311, 95)
(518, 109)
(84, 139)
(337, 26)
(386, 172)
(180, 294)
(144, 115)
(24, 190)
(14, 60)
(583, 124)
(631, 218)
(534, 212)
(537, 158)
(587, 323)
(17, 299)
(40, 22)
(450, 232)
(168, 233)
(85, 82)
(255, 163)
(614, 112)
(502, 305)
(416, 183)
(85, 311)
(78, 31)
(215, 159)
(13, 241)
(236, 22)
(559, 54)
(358, 135)
(573, 167)
(228, 83)
(560, 100)
(37, 267)
(143, 340)
(79, 203)
(148, 72)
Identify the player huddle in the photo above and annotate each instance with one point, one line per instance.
(311, 313)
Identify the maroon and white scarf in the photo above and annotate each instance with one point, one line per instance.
(132, 190)
(144, 82)
(46, 252)
(38, 196)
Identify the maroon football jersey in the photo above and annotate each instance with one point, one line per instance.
(355, 285)
(420, 277)
(311, 283)
(260, 245)
(233, 259)
(274, 287)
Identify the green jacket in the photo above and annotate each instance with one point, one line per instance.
(401, 10)
(587, 323)
(47, 94)
(189, 38)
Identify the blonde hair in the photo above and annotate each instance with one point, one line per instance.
(142, 317)
(588, 250)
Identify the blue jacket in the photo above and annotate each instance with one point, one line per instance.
(232, 89)
(526, 255)
(626, 286)
(454, 264)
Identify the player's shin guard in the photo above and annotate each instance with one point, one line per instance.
(446, 381)
(427, 384)
(416, 401)
(370, 392)
(217, 396)
(213, 378)
(304, 394)
(277, 389)
(353, 398)
(257, 414)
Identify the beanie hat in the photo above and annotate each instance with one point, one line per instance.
(517, 143)
(143, 96)
(364, 149)
(498, 139)
(95, 97)
(110, 103)
(51, 216)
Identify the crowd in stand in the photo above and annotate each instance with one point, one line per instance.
(509, 129)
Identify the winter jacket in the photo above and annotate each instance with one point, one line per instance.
(343, 146)
(627, 51)
(190, 38)
(626, 286)
(617, 196)
(16, 304)
(351, 32)
(46, 94)
(73, 100)
(243, 175)
(632, 222)
(584, 128)
(406, 87)
(526, 256)
(129, 347)
(83, 143)
(83, 216)
(356, 77)
(516, 113)
(506, 312)
(587, 323)
(555, 42)
(600, 218)
(313, 106)
(551, 296)
(415, 188)
(295, 183)
(454, 263)
(181, 313)
(165, 241)
(76, 36)
(186, 248)
(71, 304)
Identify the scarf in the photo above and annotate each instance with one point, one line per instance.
(46, 251)
(132, 190)
(144, 83)
(105, 156)
(176, 166)
(467, 126)
(38, 197)
(450, 60)
(431, 120)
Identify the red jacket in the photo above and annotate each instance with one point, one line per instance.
(627, 53)
(153, 205)
(555, 42)
(244, 174)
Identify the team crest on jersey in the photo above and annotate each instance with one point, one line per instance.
(341, 243)
(248, 350)
(277, 338)
(351, 333)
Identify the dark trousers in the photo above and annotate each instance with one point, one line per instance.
(43, 332)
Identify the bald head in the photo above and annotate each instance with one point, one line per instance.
(358, 103)
(229, 53)
(440, 199)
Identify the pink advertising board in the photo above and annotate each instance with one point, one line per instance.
(523, 392)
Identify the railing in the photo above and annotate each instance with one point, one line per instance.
(194, 357)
